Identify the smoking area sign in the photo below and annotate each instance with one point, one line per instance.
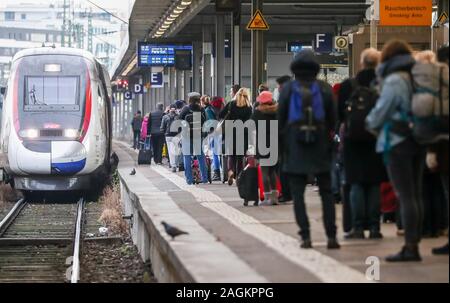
(405, 12)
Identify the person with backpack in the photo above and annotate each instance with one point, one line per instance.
(404, 158)
(212, 112)
(155, 133)
(238, 109)
(172, 138)
(307, 118)
(136, 124)
(364, 169)
(194, 118)
(264, 113)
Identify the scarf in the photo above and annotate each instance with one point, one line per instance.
(296, 103)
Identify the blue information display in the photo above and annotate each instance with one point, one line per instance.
(158, 55)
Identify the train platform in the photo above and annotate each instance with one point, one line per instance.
(228, 242)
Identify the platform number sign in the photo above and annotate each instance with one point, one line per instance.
(138, 89)
(128, 95)
(323, 43)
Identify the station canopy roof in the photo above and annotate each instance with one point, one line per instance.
(288, 20)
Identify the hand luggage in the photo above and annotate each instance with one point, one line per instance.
(145, 154)
(247, 184)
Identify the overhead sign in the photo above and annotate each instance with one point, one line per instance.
(341, 42)
(323, 43)
(443, 18)
(257, 22)
(157, 80)
(138, 89)
(158, 55)
(128, 95)
(406, 12)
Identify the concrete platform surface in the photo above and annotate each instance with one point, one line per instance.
(261, 243)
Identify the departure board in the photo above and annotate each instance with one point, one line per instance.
(158, 55)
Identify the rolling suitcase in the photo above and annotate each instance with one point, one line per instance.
(145, 153)
(247, 184)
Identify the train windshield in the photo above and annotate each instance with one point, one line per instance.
(52, 92)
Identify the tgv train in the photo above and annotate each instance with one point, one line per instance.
(56, 121)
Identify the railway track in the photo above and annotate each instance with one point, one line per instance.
(41, 242)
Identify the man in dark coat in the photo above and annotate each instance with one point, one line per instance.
(136, 124)
(156, 135)
(308, 152)
(364, 168)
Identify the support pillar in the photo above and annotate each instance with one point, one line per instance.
(257, 51)
(236, 44)
(179, 85)
(196, 67)
(219, 64)
(207, 51)
(172, 92)
(186, 83)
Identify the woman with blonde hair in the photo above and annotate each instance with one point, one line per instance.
(238, 109)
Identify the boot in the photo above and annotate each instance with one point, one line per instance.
(333, 244)
(306, 244)
(355, 234)
(409, 253)
(274, 197)
(216, 175)
(441, 250)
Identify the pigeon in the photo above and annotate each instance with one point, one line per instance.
(172, 230)
(133, 172)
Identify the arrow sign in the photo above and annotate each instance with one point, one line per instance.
(257, 22)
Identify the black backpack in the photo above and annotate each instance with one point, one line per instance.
(357, 107)
(195, 126)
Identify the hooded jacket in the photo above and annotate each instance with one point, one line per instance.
(144, 128)
(394, 101)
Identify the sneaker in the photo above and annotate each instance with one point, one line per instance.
(440, 250)
(266, 203)
(407, 254)
(274, 197)
(216, 176)
(174, 169)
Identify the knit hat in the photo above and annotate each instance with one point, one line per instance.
(305, 64)
(265, 97)
(217, 102)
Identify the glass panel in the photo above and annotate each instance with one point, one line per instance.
(35, 92)
(67, 90)
(52, 91)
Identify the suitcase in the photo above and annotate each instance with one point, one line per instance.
(247, 184)
(145, 154)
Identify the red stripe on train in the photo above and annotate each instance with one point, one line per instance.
(88, 108)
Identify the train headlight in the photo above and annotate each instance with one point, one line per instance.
(29, 133)
(71, 133)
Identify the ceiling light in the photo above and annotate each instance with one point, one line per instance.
(186, 2)
(170, 18)
(167, 22)
(163, 26)
(173, 15)
(177, 11)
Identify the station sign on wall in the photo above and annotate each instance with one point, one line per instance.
(323, 43)
(406, 12)
(158, 54)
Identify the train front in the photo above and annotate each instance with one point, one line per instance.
(51, 107)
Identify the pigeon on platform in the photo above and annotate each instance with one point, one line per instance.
(172, 230)
(133, 172)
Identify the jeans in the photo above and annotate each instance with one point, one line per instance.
(405, 169)
(187, 159)
(366, 205)
(173, 150)
(157, 146)
(216, 160)
(298, 185)
(269, 176)
(136, 135)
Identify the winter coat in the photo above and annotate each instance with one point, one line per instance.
(362, 164)
(136, 123)
(300, 158)
(166, 122)
(144, 128)
(263, 115)
(393, 103)
(192, 143)
(155, 122)
(236, 113)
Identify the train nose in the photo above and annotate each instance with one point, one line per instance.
(57, 158)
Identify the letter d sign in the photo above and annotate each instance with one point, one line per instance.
(138, 89)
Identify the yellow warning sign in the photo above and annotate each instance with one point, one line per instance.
(258, 22)
(443, 18)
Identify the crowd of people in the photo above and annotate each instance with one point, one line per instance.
(385, 130)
